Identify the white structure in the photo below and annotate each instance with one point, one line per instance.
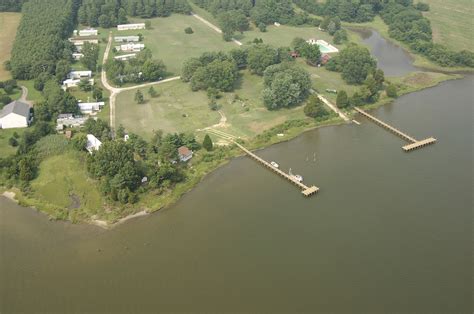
(79, 74)
(126, 39)
(326, 47)
(74, 83)
(124, 27)
(277, 24)
(81, 41)
(90, 107)
(86, 32)
(126, 57)
(93, 143)
(77, 56)
(16, 114)
(130, 47)
(69, 120)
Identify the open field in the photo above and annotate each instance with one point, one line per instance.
(169, 43)
(63, 182)
(5, 134)
(8, 24)
(452, 22)
(166, 111)
(279, 36)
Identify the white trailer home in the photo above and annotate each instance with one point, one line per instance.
(124, 27)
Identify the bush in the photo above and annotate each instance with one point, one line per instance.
(5, 99)
(421, 6)
(391, 91)
(188, 30)
(315, 108)
(262, 27)
(342, 100)
(13, 142)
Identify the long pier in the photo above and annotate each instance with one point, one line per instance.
(305, 190)
(414, 143)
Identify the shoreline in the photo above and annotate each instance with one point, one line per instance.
(174, 196)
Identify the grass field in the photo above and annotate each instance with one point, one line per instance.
(8, 24)
(452, 22)
(63, 182)
(5, 134)
(169, 43)
(166, 111)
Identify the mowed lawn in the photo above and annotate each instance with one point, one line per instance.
(169, 43)
(63, 178)
(5, 134)
(8, 24)
(283, 35)
(176, 109)
(452, 22)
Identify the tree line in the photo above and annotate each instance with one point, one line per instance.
(140, 69)
(41, 40)
(11, 5)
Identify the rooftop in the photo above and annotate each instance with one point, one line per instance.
(18, 107)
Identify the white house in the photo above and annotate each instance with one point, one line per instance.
(126, 39)
(131, 47)
(126, 57)
(124, 27)
(86, 32)
(69, 120)
(81, 41)
(77, 56)
(93, 143)
(74, 83)
(16, 114)
(79, 74)
(90, 107)
(184, 153)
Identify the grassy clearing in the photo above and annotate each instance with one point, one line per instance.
(166, 111)
(452, 22)
(169, 43)
(33, 94)
(5, 134)
(279, 36)
(8, 24)
(63, 183)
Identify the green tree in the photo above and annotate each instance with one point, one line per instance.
(153, 70)
(91, 55)
(342, 99)
(104, 21)
(188, 30)
(262, 27)
(312, 54)
(152, 92)
(207, 143)
(391, 91)
(355, 63)
(120, 132)
(340, 36)
(62, 69)
(97, 93)
(139, 99)
(260, 57)
(314, 108)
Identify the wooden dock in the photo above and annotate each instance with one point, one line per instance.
(414, 143)
(305, 190)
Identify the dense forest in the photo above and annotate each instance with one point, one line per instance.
(41, 40)
(152, 8)
(11, 5)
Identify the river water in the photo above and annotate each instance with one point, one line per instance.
(388, 232)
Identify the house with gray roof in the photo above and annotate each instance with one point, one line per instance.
(16, 114)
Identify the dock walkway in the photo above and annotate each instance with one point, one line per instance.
(306, 191)
(414, 143)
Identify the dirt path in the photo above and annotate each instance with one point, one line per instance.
(214, 27)
(24, 96)
(114, 91)
(332, 106)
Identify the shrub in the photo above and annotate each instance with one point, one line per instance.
(391, 91)
(188, 30)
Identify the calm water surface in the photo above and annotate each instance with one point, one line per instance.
(391, 58)
(388, 232)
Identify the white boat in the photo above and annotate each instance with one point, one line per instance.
(274, 164)
(298, 178)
